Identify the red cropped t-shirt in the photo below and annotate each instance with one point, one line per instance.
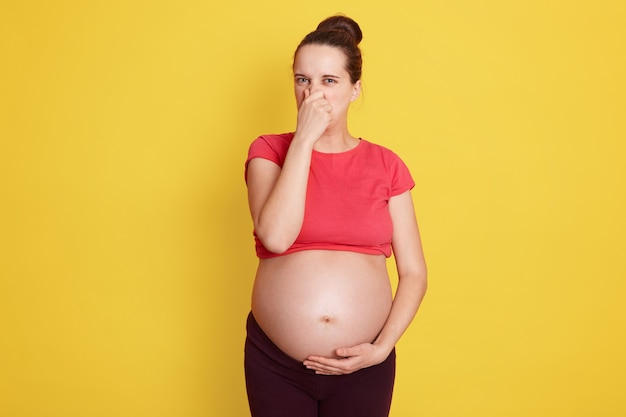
(347, 196)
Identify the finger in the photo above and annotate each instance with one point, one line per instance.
(322, 360)
(307, 93)
(320, 104)
(332, 365)
(347, 352)
(315, 95)
(330, 373)
(320, 367)
(327, 370)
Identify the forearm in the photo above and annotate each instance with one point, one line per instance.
(409, 294)
(280, 219)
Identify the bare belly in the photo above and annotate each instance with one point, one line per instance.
(313, 302)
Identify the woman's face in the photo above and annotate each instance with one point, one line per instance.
(322, 67)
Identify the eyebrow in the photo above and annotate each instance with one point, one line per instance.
(323, 76)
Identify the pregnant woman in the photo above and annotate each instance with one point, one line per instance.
(328, 209)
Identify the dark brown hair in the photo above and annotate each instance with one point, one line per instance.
(339, 32)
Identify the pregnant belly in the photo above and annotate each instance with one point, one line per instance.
(313, 302)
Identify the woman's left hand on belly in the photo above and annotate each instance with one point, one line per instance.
(350, 359)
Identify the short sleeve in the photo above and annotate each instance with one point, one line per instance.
(272, 148)
(401, 179)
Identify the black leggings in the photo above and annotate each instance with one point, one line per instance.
(280, 386)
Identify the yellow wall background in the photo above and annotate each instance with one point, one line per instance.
(127, 259)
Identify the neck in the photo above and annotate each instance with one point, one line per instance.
(335, 143)
(336, 139)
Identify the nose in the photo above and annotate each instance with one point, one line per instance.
(314, 86)
(310, 90)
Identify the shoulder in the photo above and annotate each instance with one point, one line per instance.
(278, 140)
(380, 151)
(273, 147)
(394, 167)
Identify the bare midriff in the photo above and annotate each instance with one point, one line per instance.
(315, 301)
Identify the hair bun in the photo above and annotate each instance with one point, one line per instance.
(344, 24)
(342, 33)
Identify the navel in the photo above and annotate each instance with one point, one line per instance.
(326, 319)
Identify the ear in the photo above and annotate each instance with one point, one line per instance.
(356, 90)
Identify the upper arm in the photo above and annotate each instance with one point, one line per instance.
(406, 242)
(261, 176)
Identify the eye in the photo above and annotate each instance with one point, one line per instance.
(330, 81)
(301, 80)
